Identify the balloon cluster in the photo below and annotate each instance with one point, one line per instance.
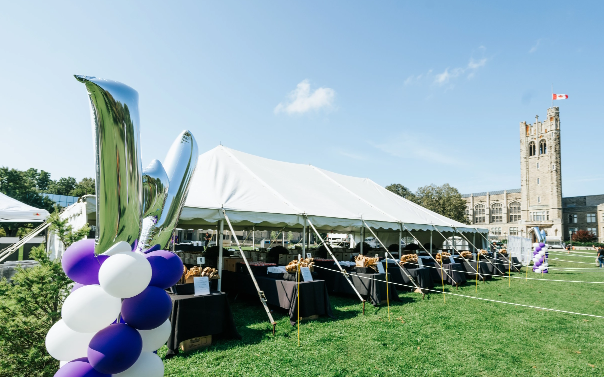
(116, 315)
(540, 258)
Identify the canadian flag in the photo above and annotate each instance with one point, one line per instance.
(559, 96)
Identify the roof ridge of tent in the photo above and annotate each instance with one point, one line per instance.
(267, 186)
(353, 194)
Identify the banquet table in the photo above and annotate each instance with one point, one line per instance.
(196, 316)
(369, 286)
(421, 275)
(314, 299)
(471, 267)
(454, 273)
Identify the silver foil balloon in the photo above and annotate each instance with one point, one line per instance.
(116, 130)
(179, 164)
(155, 193)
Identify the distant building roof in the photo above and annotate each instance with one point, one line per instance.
(512, 191)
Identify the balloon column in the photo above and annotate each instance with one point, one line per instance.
(116, 315)
(540, 254)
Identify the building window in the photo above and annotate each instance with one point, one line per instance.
(537, 165)
(513, 231)
(542, 147)
(479, 211)
(496, 231)
(572, 218)
(532, 148)
(515, 212)
(538, 181)
(539, 216)
(594, 231)
(571, 231)
(496, 213)
(591, 217)
(538, 199)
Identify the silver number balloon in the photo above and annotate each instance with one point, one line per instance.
(116, 130)
(155, 193)
(179, 164)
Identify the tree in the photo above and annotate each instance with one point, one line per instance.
(43, 181)
(63, 186)
(30, 305)
(84, 187)
(583, 236)
(401, 190)
(444, 200)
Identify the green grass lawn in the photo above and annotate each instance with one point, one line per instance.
(429, 337)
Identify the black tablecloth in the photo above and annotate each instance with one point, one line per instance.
(422, 277)
(314, 299)
(471, 269)
(496, 267)
(196, 316)
(454, 273)
(365, 284)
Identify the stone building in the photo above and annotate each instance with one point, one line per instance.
(539, 201)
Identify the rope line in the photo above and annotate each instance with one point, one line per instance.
(480, 298)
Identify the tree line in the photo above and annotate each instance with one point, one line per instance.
(444, 200)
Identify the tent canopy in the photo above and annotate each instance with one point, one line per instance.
(12, 210)
(264, 193)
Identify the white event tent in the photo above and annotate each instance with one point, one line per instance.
(12, 210)
(268, 194)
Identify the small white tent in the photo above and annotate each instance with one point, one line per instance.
(12, 210)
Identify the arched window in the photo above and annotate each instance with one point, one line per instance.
(542, 147)
(532, 148)
(479, 211)
(515, 212)
(496, 213)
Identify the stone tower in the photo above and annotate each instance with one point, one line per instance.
(540, 172)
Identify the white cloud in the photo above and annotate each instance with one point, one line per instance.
(535, 47)
(473, 64)
(354, 156)
(417, 147)
(301, 100)
(449, 74)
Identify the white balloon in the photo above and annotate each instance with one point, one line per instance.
(63, 343)
(119, 247)
(147, 365)
(90, 308)
(61, 363)
(125, 275)
(154, 339)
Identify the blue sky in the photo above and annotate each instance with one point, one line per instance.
(399, 92)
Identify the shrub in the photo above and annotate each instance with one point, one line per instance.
(366, 248)
(30, 305)
(583, 236)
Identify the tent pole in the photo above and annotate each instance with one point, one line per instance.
(260, 293)
(219, 238)
(304, 239)
(388, 252)
(400, 241)
(253, 238)
(454, 248)
(435, 261)
(362, 238)
(431, 241)
(346, 276)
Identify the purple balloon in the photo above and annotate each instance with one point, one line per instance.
(538, 249)
(148, 309)
(166, 267)
(80, 263)
(541, 244)
(79, 368)
(152, 248)
(115, 348)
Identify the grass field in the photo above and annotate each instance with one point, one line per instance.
(429, 337)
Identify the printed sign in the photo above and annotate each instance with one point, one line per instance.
(381, 268)
(201, 285)
(451, 260)
(201, 260)
(308, 255)
(306, 275)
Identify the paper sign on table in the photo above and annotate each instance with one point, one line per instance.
(201, 260)
(306, 275)
(201, 285)
(308, 255)
(381, 268)
(451, 259)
